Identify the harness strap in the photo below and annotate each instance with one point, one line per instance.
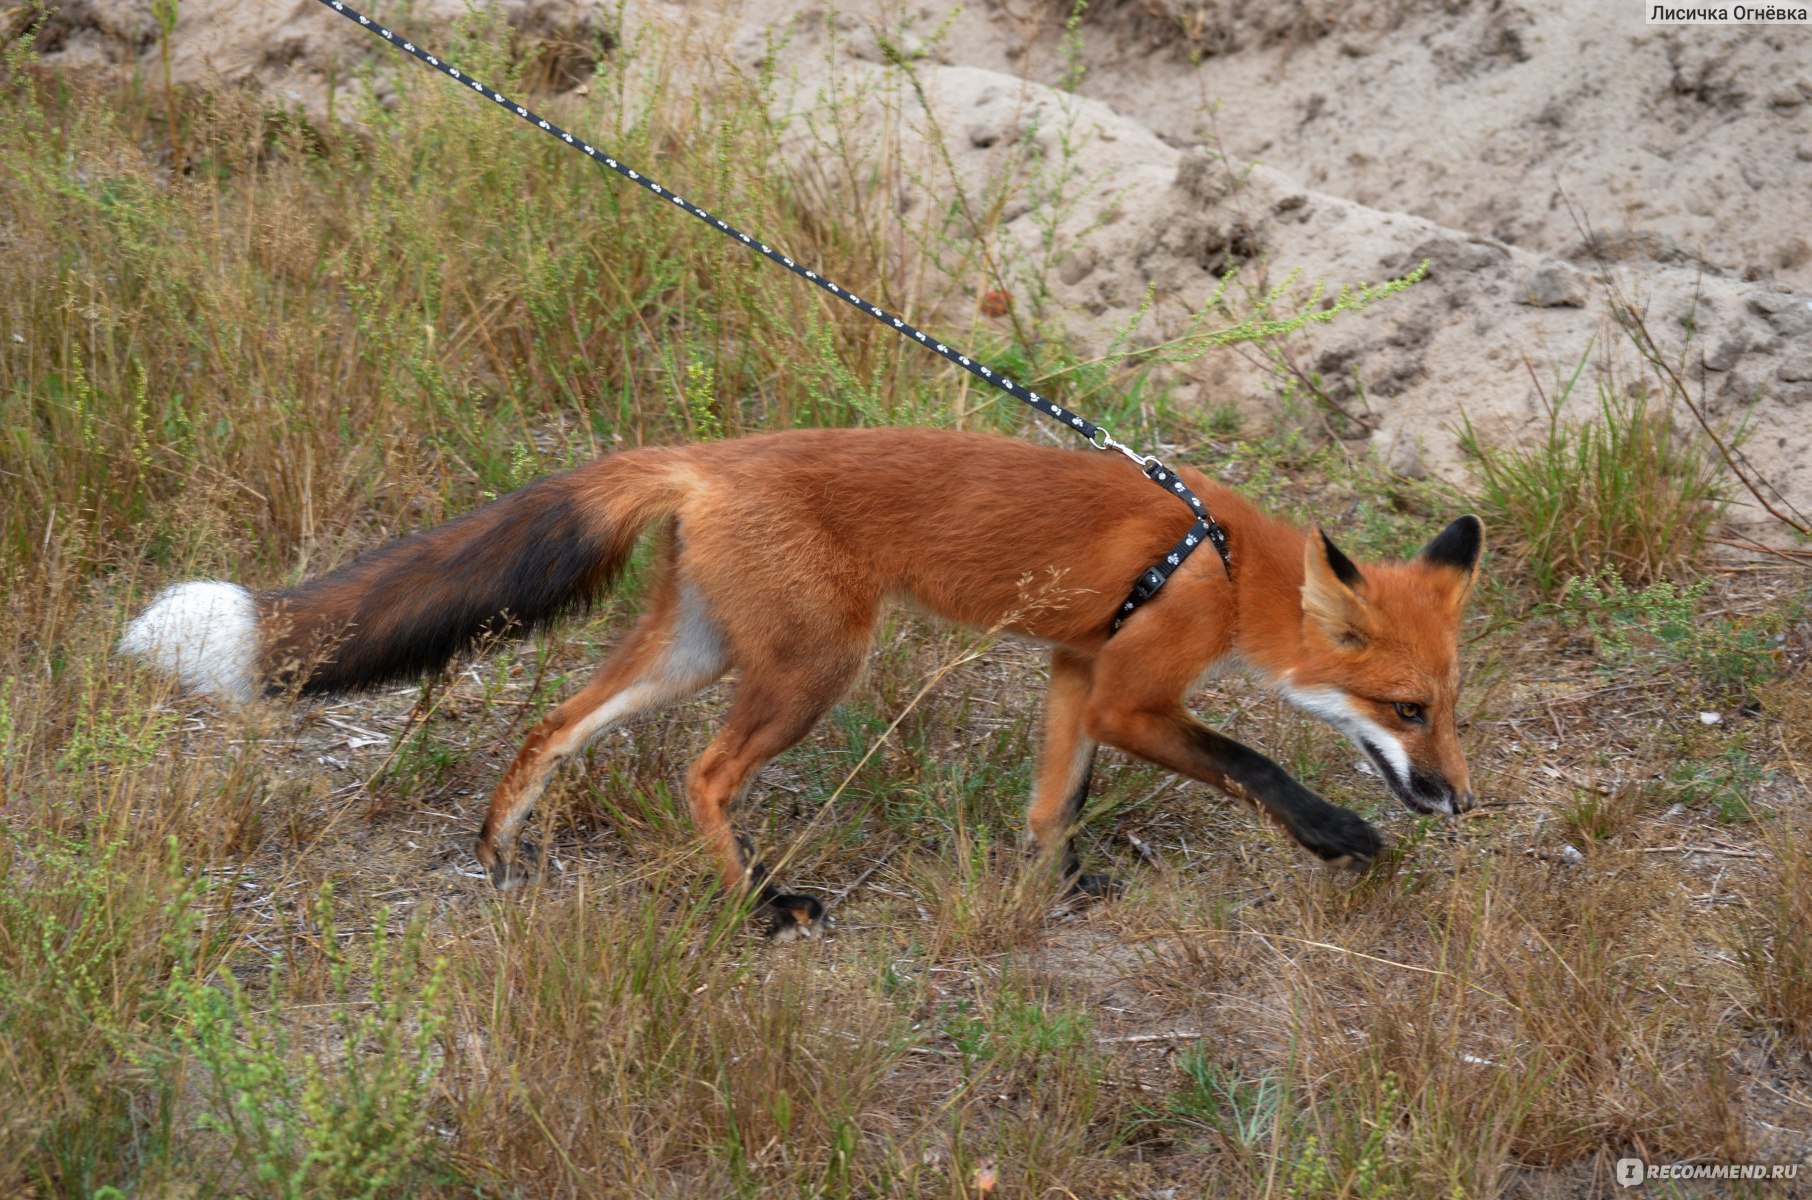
(1154, 578)
(1205, 529)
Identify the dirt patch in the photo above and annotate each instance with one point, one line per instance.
(1521, 149)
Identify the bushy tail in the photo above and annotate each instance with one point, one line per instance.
(408, 607)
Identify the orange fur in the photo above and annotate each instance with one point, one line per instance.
(781, 549)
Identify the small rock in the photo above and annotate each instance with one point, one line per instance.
(1555, 285)
(1570, 853)
(1077, 265)
(1787, 314)
(1400, 453)
(1727, 353)
(1628, 245)
(1202, 178)
(1771, 302)
(1797, 369)
(984, 134)
(1401, 376)
(1412, 331)
(1711, 718)
(1452, 256)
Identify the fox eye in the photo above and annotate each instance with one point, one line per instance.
(1408, 712)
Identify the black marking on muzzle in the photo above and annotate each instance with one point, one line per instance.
(1395, 781)
(1422, 792)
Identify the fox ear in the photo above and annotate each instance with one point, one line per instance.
(1333, 593)
(1456, 546)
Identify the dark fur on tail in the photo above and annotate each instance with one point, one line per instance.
(408, 607)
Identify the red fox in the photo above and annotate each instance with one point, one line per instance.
(775, 555)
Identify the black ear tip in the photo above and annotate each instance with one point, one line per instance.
(1458, 545)
(1342, 566)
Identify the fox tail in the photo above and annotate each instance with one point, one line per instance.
(406, 608)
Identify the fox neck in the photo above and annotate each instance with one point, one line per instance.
(1270, 636)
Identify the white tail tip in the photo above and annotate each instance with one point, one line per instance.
(204, 633)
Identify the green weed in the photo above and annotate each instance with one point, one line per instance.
(1243, 1114)
(343, 1110)
(1723, 659)
(85, 951)
(1730, 781)
(1629, 492)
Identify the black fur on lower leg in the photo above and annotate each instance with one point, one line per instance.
(1326, 830)
(788, 916)
(511, 868)
(1075, 883)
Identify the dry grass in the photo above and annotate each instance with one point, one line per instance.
(311, 339)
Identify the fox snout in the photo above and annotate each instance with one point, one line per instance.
(1423, 791)
(1433, 794)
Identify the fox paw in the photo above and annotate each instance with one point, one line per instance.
(1094, 887)
(511, 869)
(792, 917)
(1344, 839)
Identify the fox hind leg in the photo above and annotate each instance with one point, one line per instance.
(1066, 763)
(775, 706)
(674, 652)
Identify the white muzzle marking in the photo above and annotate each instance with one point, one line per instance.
(1335, 707)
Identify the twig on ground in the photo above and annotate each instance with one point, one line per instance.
(1148, 854)
(1726, 851)
(838, 897)
(1136, 1039)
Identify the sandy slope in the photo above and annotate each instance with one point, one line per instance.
(1482, 116)
(1383, 134)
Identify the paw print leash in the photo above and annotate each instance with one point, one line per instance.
(1205, 528)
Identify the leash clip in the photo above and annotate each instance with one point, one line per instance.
(1101, 439)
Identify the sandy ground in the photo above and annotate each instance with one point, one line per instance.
(1346, 143)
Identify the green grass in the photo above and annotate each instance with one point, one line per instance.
(1624, 490)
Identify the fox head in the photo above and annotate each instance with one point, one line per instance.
(1380, 660)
